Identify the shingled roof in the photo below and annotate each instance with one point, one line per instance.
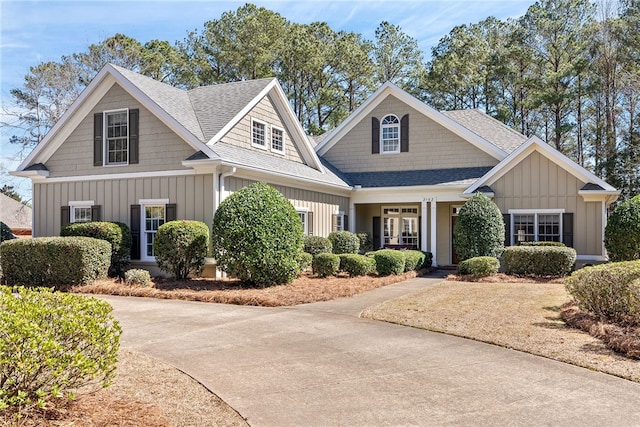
(488, 128)
(454, 176)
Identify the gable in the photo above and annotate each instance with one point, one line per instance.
(160, 148)
(431, 145)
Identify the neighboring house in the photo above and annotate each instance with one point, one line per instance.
(16, 215)
(138, 151)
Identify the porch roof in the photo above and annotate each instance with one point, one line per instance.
(453, 176)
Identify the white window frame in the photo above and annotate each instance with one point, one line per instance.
(304, 213)
(389, 126)
(264, 135)
(144, 233)
(535, 213)
(340, 217)
(400, 215)
(73, 205)
(281, 130)
(105, 137)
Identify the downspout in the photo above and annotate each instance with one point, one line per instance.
(221, 180)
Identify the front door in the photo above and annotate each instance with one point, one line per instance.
(454, 255)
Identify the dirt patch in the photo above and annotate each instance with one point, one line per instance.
(522, 316)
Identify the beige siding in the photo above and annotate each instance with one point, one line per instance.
(443, 237)
(160, 148)
(265, 112)
(538, 183)
(431, 146)
(322, 205)
(192, 194)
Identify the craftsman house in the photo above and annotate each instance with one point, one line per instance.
(138, 151)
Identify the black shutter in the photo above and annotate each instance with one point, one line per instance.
(310, 223)
(404, 134)
(97, 139)
(567, 229)
(134, 115)
(65, 215)
(334, 222)
(507, 229)
(345, 222)
(375, 136)
(96, 213)
(377, 224)
(135, 212)
(170, 212)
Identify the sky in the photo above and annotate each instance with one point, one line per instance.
(36, 31)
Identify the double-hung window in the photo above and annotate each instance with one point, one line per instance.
(258, 134)
(116, 137)
(277, 140)
(80, 211)
(304, 218)
(536, 225)
(153, 216)
(390, 134)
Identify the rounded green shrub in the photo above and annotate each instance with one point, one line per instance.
(53, 343)
(551, 261)
(479, 230)
(181, 246)
(622, 233)
(257, 236)
(481, 266)
(611, 291)
(325, 265)
(5, 232)
(344, 242)
(137, 276)
(414, 260)
(116, 233)
(558, 244)
(389, 261)
(304, 260)
(357, 265)
(317, 245)
(366, 242)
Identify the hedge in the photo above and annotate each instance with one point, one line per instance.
(481, 266)
(622, 233)
(304, 260)
(181, 246)
(317, 245)
(344, 242)
(557, 244)
(538, 260)
(54, 261)
(414, 260)
(324, 265)
(389, 261)
(357, 265)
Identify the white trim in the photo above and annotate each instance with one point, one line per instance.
(264, 135)
(305, 221)
(131, 175)
(434, 230)
(389, 126)
(78, 204)
(105, 147)
(155, 202)
(591, 258)
(535, 213)
(273, 150)
(145, 203)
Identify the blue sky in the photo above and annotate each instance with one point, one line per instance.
(33, 31)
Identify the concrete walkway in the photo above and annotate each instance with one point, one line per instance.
(320, 365)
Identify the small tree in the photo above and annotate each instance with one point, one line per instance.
(479, 230)
(622, 233)
(181, 247)
(257, 236)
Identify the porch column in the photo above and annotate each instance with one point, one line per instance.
(352, 217)
(423, 226)
(434, 229)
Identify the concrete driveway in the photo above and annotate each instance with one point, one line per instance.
(320, 365)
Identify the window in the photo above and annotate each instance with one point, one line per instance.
(339, 220)
(258, 133)
(390, 134)
(80, 211)
(400, 226)
(153, 216)
(116, 137)
(277, 140)
(304, 218)
(536, 226)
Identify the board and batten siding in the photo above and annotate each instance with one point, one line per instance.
(192, 194)
(431, 146)
(159, 147)
(241, 134)
(322, 205)
(539, 183)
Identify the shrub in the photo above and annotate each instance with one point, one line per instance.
(481, 266)
(558, 244)
(366, 242)
(326, 265)
(538, 260)
(389, 261)
(317, 245)
(137, 276)
(622, 233)
(414, 260)
(304, 260)
(181, 246)
(344, 242)
(357, 265)
(610, 291)
(116, 233)
(5, 232)
(479, 230)
(54, 261)
(428, 260)
(52, 343)
(257, 236)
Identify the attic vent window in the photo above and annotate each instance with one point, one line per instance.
(258, 134)
(390, 138)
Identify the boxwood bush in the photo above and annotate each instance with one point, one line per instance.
(414, 260)
(366, 242)
(317, 245)
(137, 276)
(54, 261)
(481, 266)
(304, 260)
(389, 261)
(257, 236)
(344, 242)
(610, 291)
(116, 233)
(622, 233)
(357, 265)
(479, 230)
(181, 246)
(538, 260)
(325, 265)
(53, 343)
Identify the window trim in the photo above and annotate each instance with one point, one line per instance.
(400, 215)
(388, 126)
(105, 147)
(144, 203)
(266, 131)
(277, 128)
(340, 214)
(78, 204)
(535, 213)
(305, 222)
